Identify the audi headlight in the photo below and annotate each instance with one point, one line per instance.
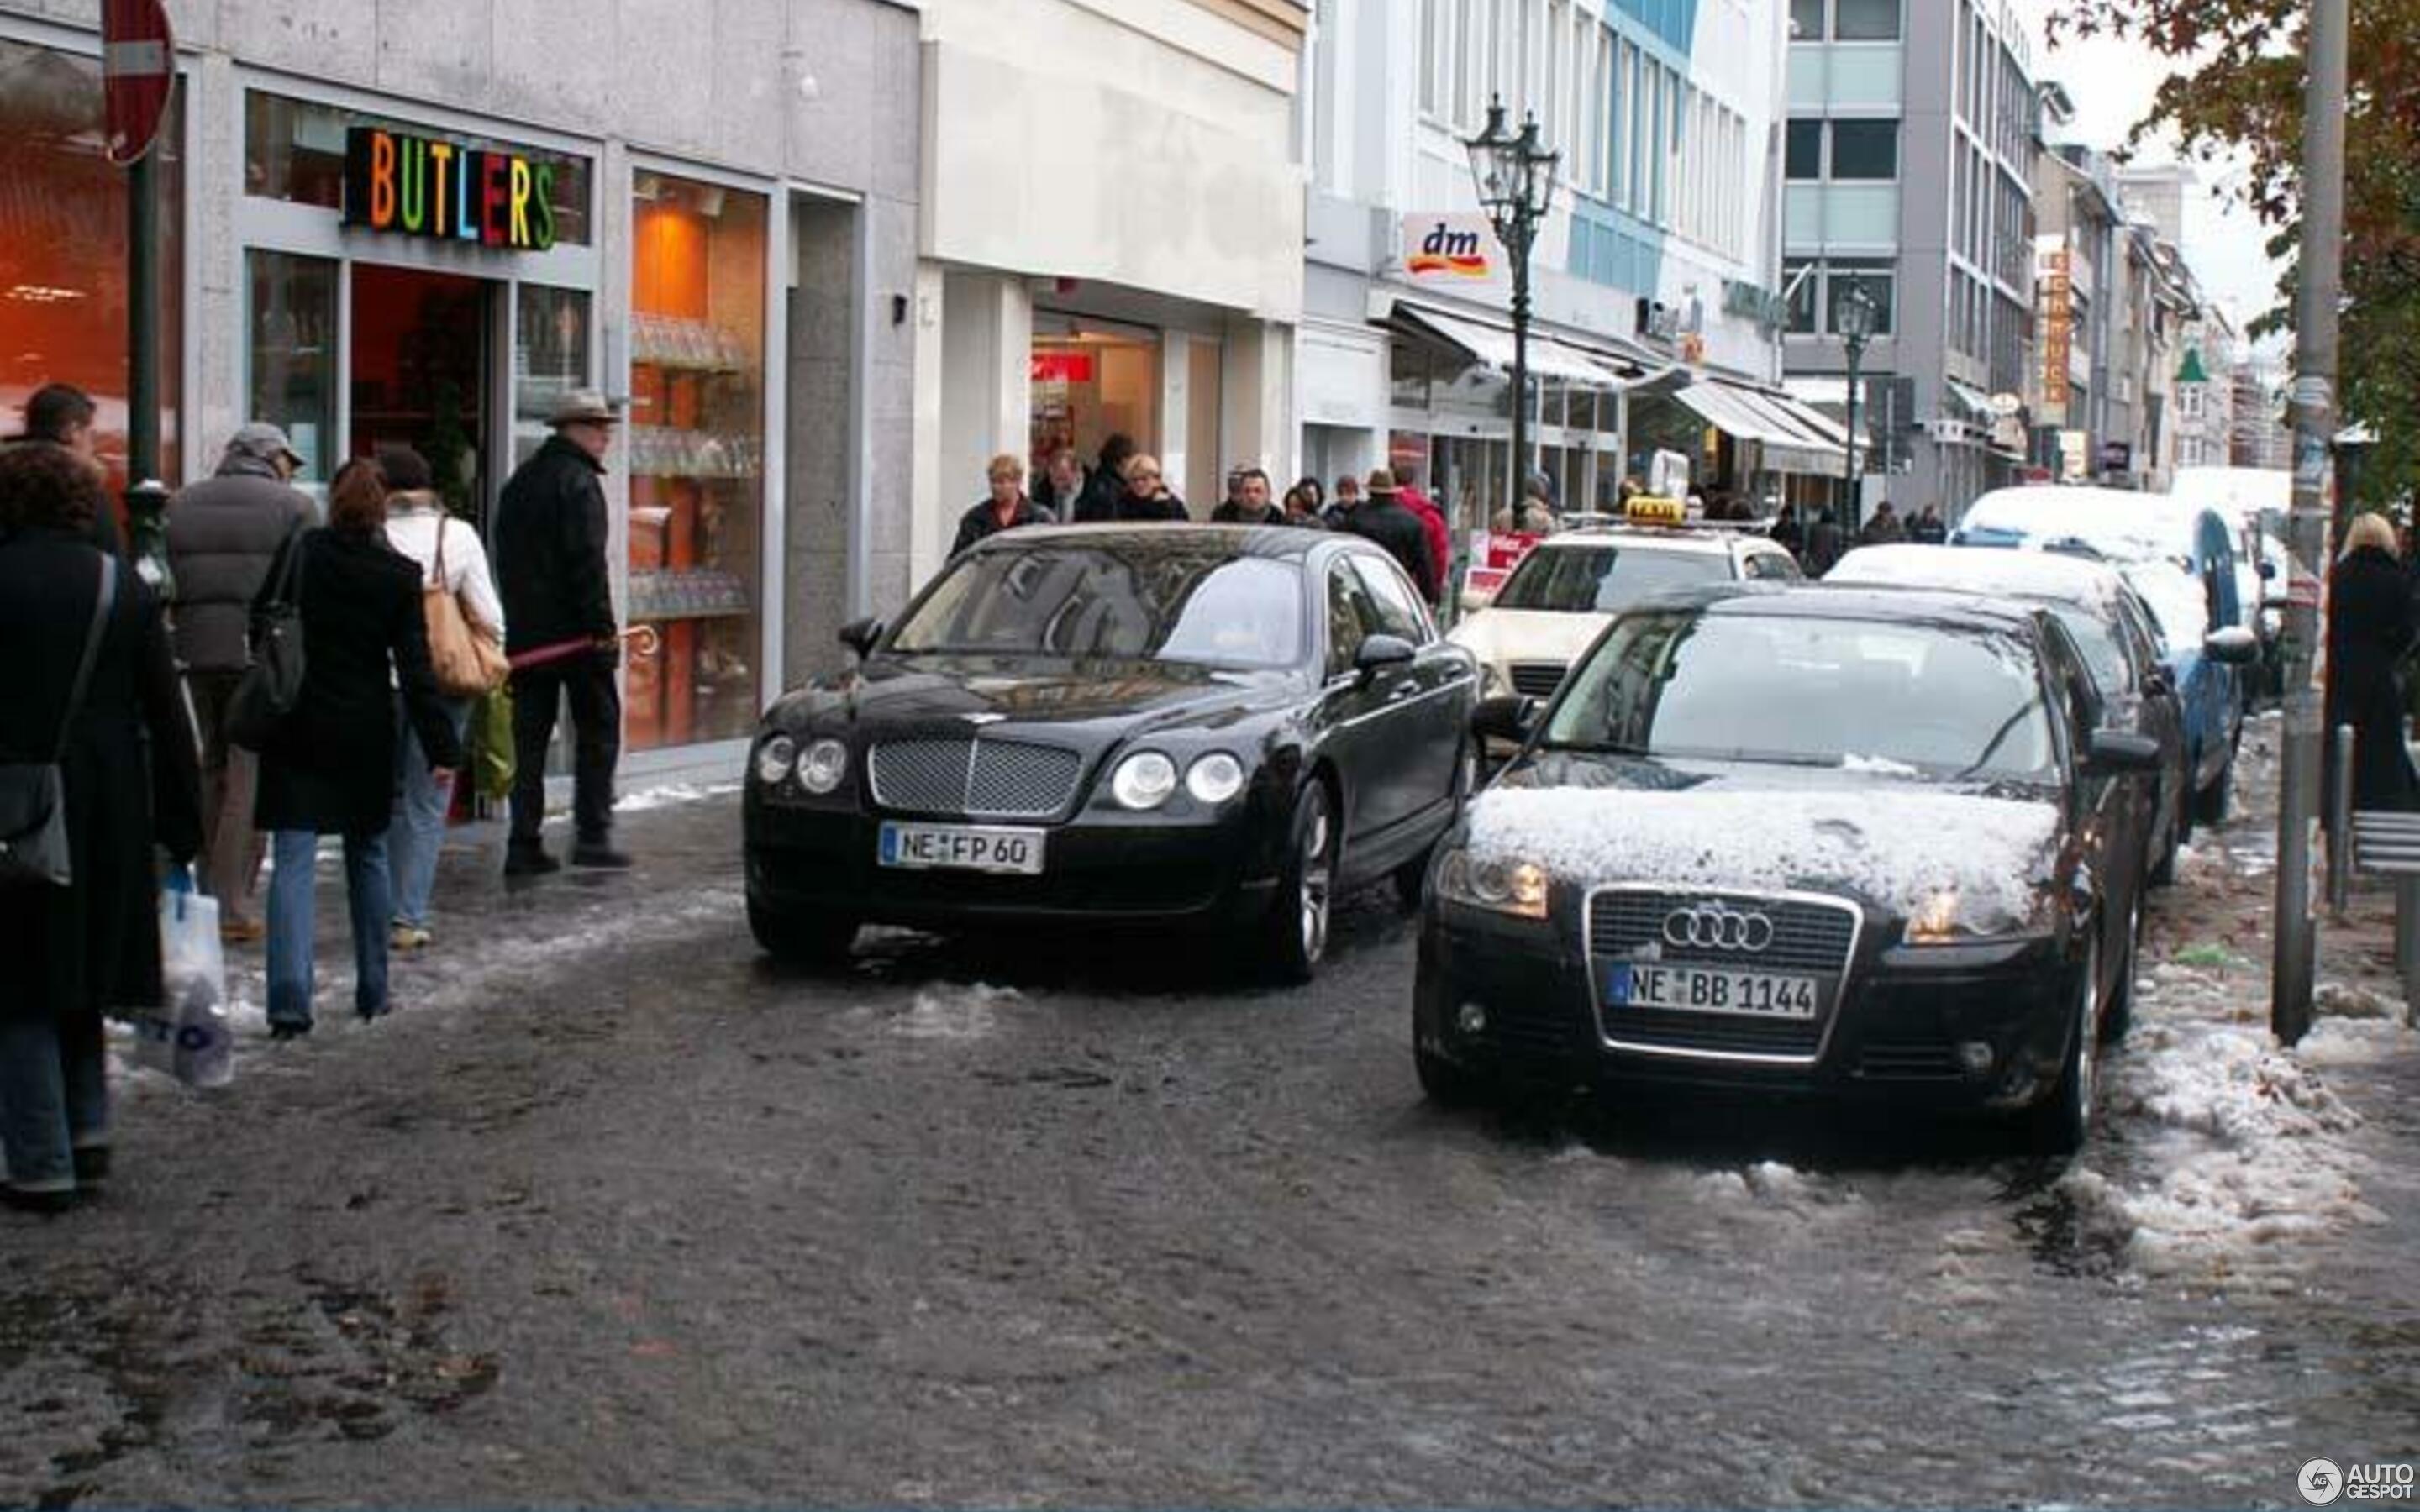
(1143, 780)
(1948, 917)
(774, 759)
(1215, 779)
(1496, 884)
(824, 767)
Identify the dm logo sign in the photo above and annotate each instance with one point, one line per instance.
(1450, 250)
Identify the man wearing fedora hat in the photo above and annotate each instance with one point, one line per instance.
(550, 549)
(1381, 518)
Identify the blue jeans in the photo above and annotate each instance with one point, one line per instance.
(54, 1097)
(291, 923)
(418, 832)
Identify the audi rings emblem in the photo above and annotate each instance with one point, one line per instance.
(1712, 926)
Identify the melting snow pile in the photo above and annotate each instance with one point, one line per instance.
(1897, 848)
(952, 1012)
(648, 799)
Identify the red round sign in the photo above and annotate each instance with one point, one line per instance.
(139, 66)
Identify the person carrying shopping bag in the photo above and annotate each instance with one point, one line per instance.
(460, 595)
(329, 766)
(90, 687)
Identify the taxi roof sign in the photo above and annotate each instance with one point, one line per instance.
(1649, 509)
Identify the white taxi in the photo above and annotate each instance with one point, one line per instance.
(1572, 585)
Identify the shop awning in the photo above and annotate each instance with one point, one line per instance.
(1976, 404)
(1795, 439)
(1491, 346)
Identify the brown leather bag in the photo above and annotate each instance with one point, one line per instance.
(468, 660)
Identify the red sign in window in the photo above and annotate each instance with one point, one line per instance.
(1062, 367)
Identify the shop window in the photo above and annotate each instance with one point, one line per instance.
(1804, 156)
(549, 359)
(63, 287)
(292, 360)
(1865, 20)
(1865, 149)
(294, 150)
(695, 442)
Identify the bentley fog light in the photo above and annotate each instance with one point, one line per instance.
(1143, 780)
(773, 759)
(824, 767)
(1215, 779)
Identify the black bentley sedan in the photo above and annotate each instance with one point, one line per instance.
(1818, 839)
(1195, 726)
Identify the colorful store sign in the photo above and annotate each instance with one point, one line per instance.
(2056, 313)
(1455, 251)
(422, 186)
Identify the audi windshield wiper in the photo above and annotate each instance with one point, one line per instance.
(1999, 737)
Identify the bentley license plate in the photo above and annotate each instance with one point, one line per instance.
(1703, 989)
(962, 848)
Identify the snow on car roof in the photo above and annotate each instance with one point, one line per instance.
(2116, 520)
(2017, 573)
(1644, 537)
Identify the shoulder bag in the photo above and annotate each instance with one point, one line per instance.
(34, 849)
(466, 658)
(272, 685)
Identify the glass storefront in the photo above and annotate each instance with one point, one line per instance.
(63, 287)
(294, 150)
(695, 446)
(550, 359)
(293, 354)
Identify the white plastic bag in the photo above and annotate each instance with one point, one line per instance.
(190, 1039)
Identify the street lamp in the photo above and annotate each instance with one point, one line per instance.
(1853, 317)
(1515, 175)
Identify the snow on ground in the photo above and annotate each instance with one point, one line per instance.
(950, 1011)
(648, 799)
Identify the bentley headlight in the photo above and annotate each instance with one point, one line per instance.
(1496, 884)
(774, 759)
(1491, 682)
(1215, 779)
(1948, 916)
(824, 767)
(1143, 780)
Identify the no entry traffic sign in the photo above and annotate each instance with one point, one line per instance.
(139, 67)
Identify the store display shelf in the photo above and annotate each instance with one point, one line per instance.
(688, 594)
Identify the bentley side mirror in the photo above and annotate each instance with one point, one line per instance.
(860, 636)
(2232, 645)
(2117, 751)
(1380, 652)
(1507, 718)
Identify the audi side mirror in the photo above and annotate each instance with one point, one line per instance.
(2114, 752)
(1508, 717)
(861, 636)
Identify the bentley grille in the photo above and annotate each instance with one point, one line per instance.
(984, 778)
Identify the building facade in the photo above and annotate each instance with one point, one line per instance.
(2078, 264)
(1654, 348)
(1914, 131)
(384, 229)
(1111, 241)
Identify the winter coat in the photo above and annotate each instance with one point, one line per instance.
(1166, 506)
(1434, 529)
(1046, 493)
(1824, 547)
(550, 541)
(1883, 530)
(1927, 532)
(1385, 521)
(1235, 512)
(331, 766)
(132, 773)
(1104, 493)
(983, 520)
(412, 522)
(2370, 628)
(222, 533)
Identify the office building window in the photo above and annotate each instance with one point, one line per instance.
(1802, 156)
(1865, 20)
(1803, 277)
(1865, 149)
(1873, 275)
(1807, 20)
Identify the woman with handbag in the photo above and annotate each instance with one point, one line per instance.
(98, 763)
(466, 652)
(329, 766)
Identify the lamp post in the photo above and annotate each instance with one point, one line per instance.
(1853, 317)
(1515, 175)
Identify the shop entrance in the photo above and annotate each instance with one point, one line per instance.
(419, 375)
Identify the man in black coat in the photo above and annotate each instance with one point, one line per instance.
(1382, 518)
(550, 572)
(1250, 505)
(1007, 508)
(1106, 487)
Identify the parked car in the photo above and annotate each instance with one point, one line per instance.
(2110, 624)
(1568, 589)
(1807, 839)
(2180, 559)
(1128, 725)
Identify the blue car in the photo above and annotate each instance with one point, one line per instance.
(2180, 559)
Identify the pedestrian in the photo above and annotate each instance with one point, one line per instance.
(1061, 488)
(1234, 496)
(2369, 630)
(1006, 508)
(61, 414)
(1147, 496)
(1339, 512)
(1785, 531)
(1824, 543)
(128, 773)
(223, 533)
(1384, 519)
(1928, 528)
(1434, 531)
(330, 769)
(1105, 491)
(1884, 528)
(450, 556)
(549, 540)
(1316, 492)
(1249, 503)
(1302, 506)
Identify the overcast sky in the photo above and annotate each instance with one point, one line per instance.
(2112, 87)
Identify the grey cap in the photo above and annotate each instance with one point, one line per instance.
(584, 404)
(265, 442)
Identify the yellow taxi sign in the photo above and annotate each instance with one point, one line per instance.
(1647, 509)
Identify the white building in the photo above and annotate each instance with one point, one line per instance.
(1112, 241)
(1656, 279)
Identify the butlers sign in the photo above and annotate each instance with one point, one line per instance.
(422, 186)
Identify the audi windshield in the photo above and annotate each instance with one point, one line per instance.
(1895, 698)
(1165, 602)
(1600, 580)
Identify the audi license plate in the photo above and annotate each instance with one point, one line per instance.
(962, 848)
(1702, 990)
